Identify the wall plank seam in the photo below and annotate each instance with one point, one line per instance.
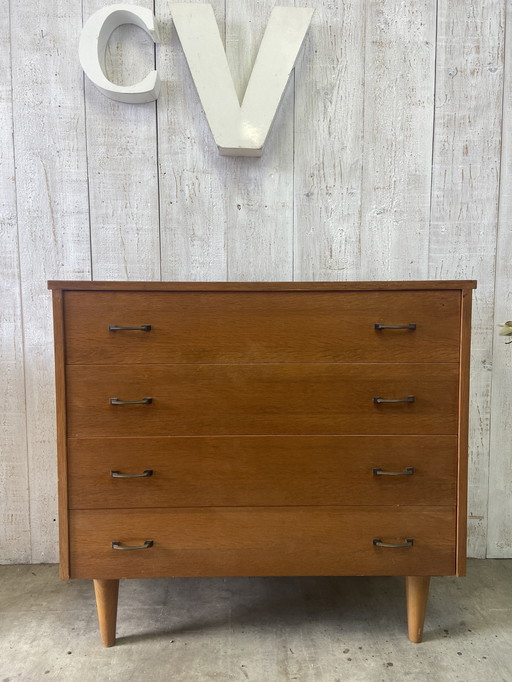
(431, 198)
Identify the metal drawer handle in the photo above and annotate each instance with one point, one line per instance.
(395, 326)
(144, 401)
(409, 399)
(378, 543)
(406, 472)
(144, 474)
(146, 545)
(142, 328)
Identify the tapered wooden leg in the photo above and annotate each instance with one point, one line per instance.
(416, 595)
(106, 602)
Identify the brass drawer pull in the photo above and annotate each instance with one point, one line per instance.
(146, 545)
(409, 399)
(144, 474)
(395, 326)
(144, 401)
(406, 472)
(142, 328)
(378, 543)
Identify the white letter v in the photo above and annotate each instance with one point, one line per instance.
(240, 130)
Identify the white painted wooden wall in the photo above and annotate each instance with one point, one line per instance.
(391, 158)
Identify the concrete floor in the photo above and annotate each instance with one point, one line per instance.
(257, 629)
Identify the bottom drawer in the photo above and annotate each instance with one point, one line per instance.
(258, 541)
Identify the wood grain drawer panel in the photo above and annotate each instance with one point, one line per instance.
(261, 399)
(261, 471)
(225, 327)
(262, 541)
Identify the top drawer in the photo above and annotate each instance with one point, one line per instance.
(244, 327)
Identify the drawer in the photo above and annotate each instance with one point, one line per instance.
(262, 399)
(262, 541)
(261, 471)
(242, 327)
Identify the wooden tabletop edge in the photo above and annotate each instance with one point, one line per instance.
(88, 285)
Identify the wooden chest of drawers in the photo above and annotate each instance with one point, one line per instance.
(262, 429)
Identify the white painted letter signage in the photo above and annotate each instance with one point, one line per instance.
(93, 43)
(238, 129)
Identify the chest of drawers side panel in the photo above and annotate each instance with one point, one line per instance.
(462, 473)
(60, 388)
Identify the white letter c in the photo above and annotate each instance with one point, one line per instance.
(93, 43)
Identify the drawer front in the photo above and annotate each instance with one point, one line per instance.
(261, 471)
(262, 541)
(239, 327)
(262, 399)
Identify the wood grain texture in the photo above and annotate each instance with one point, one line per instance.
(237, 327)
(467, 138)
(123, 182)
(334, 138)
(258, 196)
(261, 485)
(192, 176)
(62, 458)
(407, 285)
(261, 471)
(499, 539)
(397, 152)
(329, 122)
(53, 220)
(462, 454)
(266, 398)
(247, 541)
(107, 592)
(416, 590)
(15, 546)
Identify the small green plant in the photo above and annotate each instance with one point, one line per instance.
(506, 330)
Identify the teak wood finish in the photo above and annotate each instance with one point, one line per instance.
(220, 541)
(262, 450)
(215, 326)
(222, 471)
(220, 399)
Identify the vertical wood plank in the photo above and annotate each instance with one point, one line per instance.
(192, 174)
(399, 92)
(467, 139)
(258, 191)
(122, 162)
(14, 500)
(234, 219)
(52, 218)
(499, 540)
(328, 140)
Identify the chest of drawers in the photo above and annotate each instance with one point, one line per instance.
(242, 429)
